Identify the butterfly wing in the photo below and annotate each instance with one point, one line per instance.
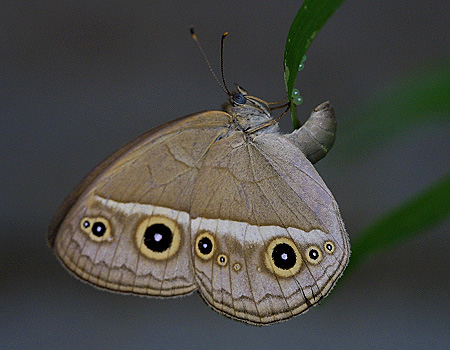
(247, 220)
(126, 227)
(279, 245)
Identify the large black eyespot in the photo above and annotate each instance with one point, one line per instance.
(239, 98)
(313, 255)
(158, 238)
(284, 256)
(98, 228)
(204, 245)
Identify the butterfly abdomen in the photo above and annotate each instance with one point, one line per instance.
(316, 137)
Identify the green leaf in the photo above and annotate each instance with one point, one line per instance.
(311, 17)
(428, 209)
(417, 100)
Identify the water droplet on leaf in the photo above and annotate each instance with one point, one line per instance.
(296, 98)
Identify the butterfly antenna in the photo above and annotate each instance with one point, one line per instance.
(194, 37)
(222, 44)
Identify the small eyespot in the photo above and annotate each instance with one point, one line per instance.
(329, 247)
(158, 237)
(283, 257)
(237, 267)
(222, 260)
(239, 98)
(98, 229)
(204, 245)
(313, 255)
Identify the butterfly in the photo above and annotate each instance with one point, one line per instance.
(219, 202)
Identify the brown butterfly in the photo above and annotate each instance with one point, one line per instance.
(218, 201)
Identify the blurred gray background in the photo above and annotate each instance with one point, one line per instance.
(81, 78)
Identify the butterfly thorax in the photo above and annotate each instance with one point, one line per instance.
(249, 112)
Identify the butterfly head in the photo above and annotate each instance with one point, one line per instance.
(241, 102)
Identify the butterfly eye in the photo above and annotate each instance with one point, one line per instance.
(313, 255)
(283, 257)
(98, 228)
(329, 247)
(204, 245)
(158, 237)
(239, 98)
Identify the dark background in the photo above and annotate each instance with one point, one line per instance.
(81, 78)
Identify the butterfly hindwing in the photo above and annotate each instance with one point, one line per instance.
(266, 214)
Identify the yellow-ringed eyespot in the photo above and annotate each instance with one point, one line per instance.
(158, 237)
(98, 229)
(313, 255)
(204, 245)
(222, 259)
(329, 247)
(282, 257)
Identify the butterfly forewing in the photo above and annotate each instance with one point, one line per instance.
(151, 179)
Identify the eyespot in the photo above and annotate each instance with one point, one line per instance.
(204, 245)
(329, 247)
(239, 98)
(158, 237)
(222, 259)
(237, 267)
(283, 257)
(313, 255)
(98, 228)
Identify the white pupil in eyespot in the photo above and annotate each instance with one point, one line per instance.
(284, 256)
(157, 237)
(205, 245)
